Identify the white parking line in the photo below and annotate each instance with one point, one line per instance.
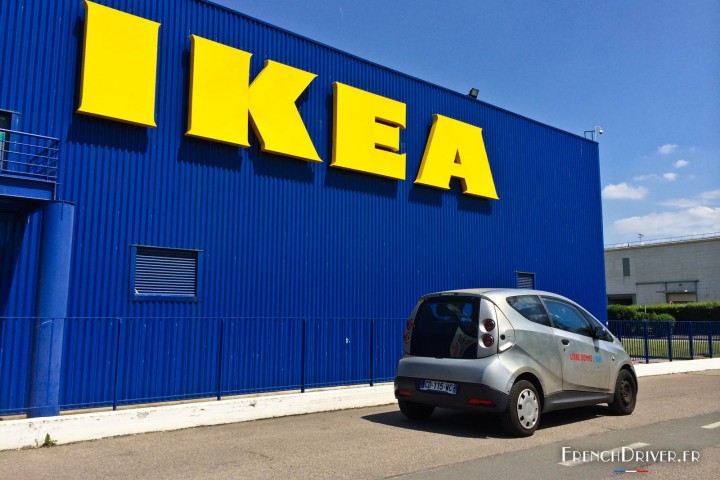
(712, 425)
(586, 457)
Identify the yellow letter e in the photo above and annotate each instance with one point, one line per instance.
(366, 132)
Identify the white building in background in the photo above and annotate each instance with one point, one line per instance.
(677, 270)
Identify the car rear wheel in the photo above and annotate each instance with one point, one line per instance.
(522, 414)
(415, 411)
(625, 394)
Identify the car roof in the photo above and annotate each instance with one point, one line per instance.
(496, 292)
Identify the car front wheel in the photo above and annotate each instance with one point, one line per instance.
(625, 394)
(522, 414)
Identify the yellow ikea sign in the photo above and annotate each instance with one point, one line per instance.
(118, 82)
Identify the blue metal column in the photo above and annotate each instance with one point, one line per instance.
(51, 308)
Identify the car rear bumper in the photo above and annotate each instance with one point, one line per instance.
(469, 396)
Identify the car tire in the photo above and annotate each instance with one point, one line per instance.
(522, 414)
(625, 394)
(415, 411)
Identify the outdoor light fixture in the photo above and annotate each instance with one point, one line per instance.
(474, 92)
(595, 131)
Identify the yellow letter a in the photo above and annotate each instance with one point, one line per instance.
(456, 149)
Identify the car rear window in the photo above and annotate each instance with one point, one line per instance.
(446, 327)
(530, 307)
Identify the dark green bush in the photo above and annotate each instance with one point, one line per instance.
(706, 311)
(621, 312)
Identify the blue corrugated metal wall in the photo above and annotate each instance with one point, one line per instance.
(281, 238)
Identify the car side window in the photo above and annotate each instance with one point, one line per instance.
(530, 307)
(566, 317)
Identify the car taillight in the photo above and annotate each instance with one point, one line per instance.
(408, 330)
(480, 401)
(489, 324)
(488, 340)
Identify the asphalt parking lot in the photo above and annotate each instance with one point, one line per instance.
(378, 442)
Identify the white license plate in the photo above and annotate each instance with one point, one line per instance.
(435, 386)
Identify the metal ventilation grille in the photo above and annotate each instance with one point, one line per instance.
(526, 280)
(160, 271)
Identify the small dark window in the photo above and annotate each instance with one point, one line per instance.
(5, 123)
(626, 267)
(530, 307)
(566, 317)
(5, 118)
(165, 273)
(526, 280)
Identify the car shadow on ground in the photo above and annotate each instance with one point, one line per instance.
(481, 425)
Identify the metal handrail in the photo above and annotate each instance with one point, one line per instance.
(28, 134)
(24, 154)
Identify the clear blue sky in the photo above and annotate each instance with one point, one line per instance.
(647, 72)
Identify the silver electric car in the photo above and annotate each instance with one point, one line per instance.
(517, 352)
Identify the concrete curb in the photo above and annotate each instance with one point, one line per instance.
(677, 366)
(90, 426)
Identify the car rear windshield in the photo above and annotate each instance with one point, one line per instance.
(446, 327)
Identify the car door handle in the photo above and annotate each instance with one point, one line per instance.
(565, 341)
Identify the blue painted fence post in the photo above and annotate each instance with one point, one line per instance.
(220, 358)
(647, 343)
(118, 346)
(710, 340)
(372, 349)
(692, 347)
(619, 326)
(669, 339)
(302, 355)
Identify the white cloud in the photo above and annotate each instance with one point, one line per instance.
(681, 164)
(623, 191)
(689, 221)
(705, 199)
(680, 203)
(670, 177)
(649, 176)
(710, 196)
(667, 149)
(689, 216)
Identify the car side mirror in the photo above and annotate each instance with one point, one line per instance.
(600, 332)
